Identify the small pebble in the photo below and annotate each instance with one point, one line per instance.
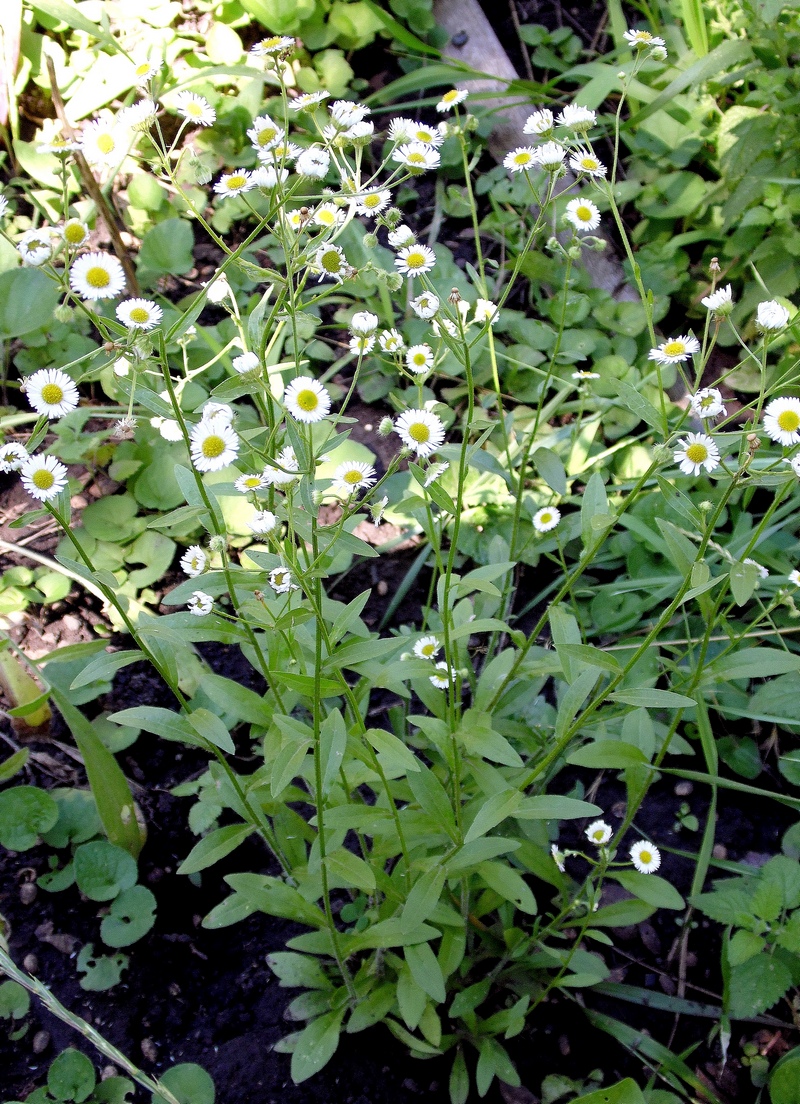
(149, 1049)
(27, 893)
(41, 1041)
(563, 1045)
(382, 587)
(683, 789)
(108, 1071)
(720, 851)
(30, 963)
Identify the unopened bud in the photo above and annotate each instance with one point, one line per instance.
(385, 427)
(714, 266)
(217, 543)
(394, 281)
(662, 454)
(574, 252)
(64, 313)
(370, 241)
(454, 296)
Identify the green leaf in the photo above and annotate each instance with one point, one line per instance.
(102, 870)
(606, 755)
(624, 1092)
(14, 1001)
(295, 971)
(398, 31)
(729, 53)
(14, 764)
(744, 580)
(754, 663)
(332, 746)
(650, 888)
(27, 301)
(109, 785)
(509, 884)
(395, 757)
(190, 1083)
(67, 12)
(593, 504)
(459, 1079)
(316, 1045)
(621, 914)
(161, 722)
(493, 812)
(212, 728)
(71, 1076)
(104, 667)
(25, 812)
(215, 846)
(585, 653)
(102, 971)
(348, 869)
(639, 405)
(757, 985)
(234, 698)
(432, 796)
(131, 916)
(426, 971)
(276, 898)
(423, 898)
(653, 699)
(555, 807)
(784, 1082)
(551, 469)
(166, 248)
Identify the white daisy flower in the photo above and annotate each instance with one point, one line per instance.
(782, 420)
(308, 99)
(425, 305)
(51, 392)
(642, 39)
(195, 108)
(443, 681)
(139, 314)
(330, 261)
(417, 157)
(313, 163)
(235, 183)
(280, 579)
(577, 118)
(105, 142)
(307, 400)
(401, 237)
(420, 430)
(771, 315)
(540, 123)
(719, 301)
(583, 374)
(419, 359)
(268, 177)
(359, 133)
(329, 215)
(598, 833)
(275, 44)
(451, 99)
(415, 260)
(12, 456)
(695, 452)
(486, 311)
(283, 152)
(429, 136)
(346, 113)
(427, 647)
(546, 519)
(587, 163)
(145, 71)
(214, 411)
(645, 857)
(372, 203)
(138, 116)
(795, 462)
(582, 214)
(246, 363)
(194, 561)
(447, 325)
(794, 576)
(707, 403)
(675, 350)
(58, 144)
(763, 573)
(558, 857)
(434, 471)
(253, 482)
(287, 468)
(262, 522)
(360, 345)
(265, 133)
(43, 477)
(391, 341)
(352, 476)
(218, 290)
(35, 247)
(214, 445)
(74, 232)
(169, 429)
(97, 276)
(200, 603)
(522, 159)
(363, 323)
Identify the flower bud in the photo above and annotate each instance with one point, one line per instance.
(385, 427)
(217, 543)
(370, 241)
(64, 313)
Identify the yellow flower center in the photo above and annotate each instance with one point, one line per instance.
(584, 214)
(674, 348)
(43, 479)
(424, 136)
(74, 233)
(589, 162)
(236, 181)
(307, 400)
(194, 109)
(142, 69)
(327, 218)
(419, 432)
(545, 518)
(267, 135)
(280, 578)
(448, 97)
(697, 453)
(139, 314)
(35, 244)
(97, 277)
(706, 401)
(372, 201)
(353, 477)
(789, 421)
(428, 650)
(106, 143)
(420, 360)
(645, 857)
(416, 158)
(522, 158)
(331, 261)
(252, 482)
(415, 260)
(274, 41)
(213, 446)
(58, 141)
(52, 394)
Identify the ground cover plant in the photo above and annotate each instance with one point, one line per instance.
(603, 531)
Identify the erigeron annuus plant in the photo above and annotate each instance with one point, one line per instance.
(410, 865)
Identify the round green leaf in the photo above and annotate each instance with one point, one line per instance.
(189, 1083)
(103, 870)
(78, 819)
(14, 1001)
(102, 971)
(111, 518)
(25, 812)
(167, 248)
(132, 915)
(71, 1076)
(784, 1084)
(27, 301)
